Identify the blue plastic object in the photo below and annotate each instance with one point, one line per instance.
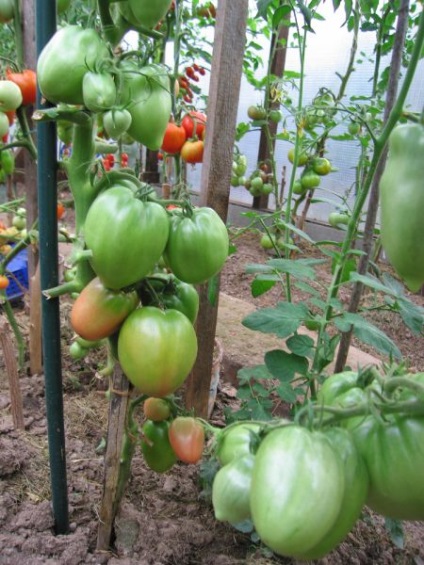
(17, 273)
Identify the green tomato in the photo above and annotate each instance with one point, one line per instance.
(302, 157)
(10, 96)
(402, 199)
(393, 450)
(336, 385)
(144, 12)
(256, 112)
(4, 124)
(298, 187)
(19, 222)
(297, 490)
(98, 91)
(275, 116)
(310, 180)
(234, 181)
(321, 166)
(354, 128)
(7, 161)
(77, 351)
(157, 350)
(197, 246)
(7, 11)
(64, 61)
(336, 218)
(147, 96)
(355, 493)
(238, 441)
(267, 188)
(169, 292)
(98, 312)
(62, 5)
(155, 446)
(256, 183)
(231, 490)
(126, 236)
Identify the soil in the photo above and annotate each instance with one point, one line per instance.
(164, 519)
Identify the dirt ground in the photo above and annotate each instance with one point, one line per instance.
(164, 519)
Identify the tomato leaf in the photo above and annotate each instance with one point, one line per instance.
(284, 366)
(282, 320)
(261, 285)
(368, 333)
(286, 393)
(302, 345)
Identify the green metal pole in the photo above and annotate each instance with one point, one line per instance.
(49, 274)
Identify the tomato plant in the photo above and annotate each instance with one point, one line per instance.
(126, 236)
(155, 446)
(197, 245)
(187, 438)
(27, 82)
(98, 312)
(157, 349)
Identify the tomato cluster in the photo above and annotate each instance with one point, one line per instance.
(186, 139)
(166, 439)
(185, 81)
(303, 489)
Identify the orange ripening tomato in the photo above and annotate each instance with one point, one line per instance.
(192, 151)
(174, 138)
(4, 282)
(187, 439)
(27, 82)
(156, 409)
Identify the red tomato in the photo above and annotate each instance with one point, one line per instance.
(60, 210)
(194, 123)
(192, 151)
(187, 438)
(174, 139)
(27, 82)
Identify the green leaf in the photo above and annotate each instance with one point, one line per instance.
(302, 345)
(305, 287)
(284, 366)
(412, 315)
(366, 332)
(372, 282)
(282, 320)
(395, 531)
(286, 393)
(257, 372)
(259, 286)
(280, 15)
(294, 267)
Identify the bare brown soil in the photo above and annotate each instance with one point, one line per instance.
(165, 519)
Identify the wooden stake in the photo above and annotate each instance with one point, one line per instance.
(35, 345)
(12, 374)
(112, 487)
(224, 92)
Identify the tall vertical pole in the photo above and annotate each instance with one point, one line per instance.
(49, 273)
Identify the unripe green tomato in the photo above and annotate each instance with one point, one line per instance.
(19, 222)
(10, 95)
(21, 212)
(240, 169)
(267, 188)
(4, 124)
(298, 187)
(275, 116)
(302, 157)
(336, 218)
(234, 181)
(267, 242)
(321, 166)
(7, 11)
(354, 128)
(77, 351)
(256, 183)
(241, 181)
(310, 180)
(256, 112)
